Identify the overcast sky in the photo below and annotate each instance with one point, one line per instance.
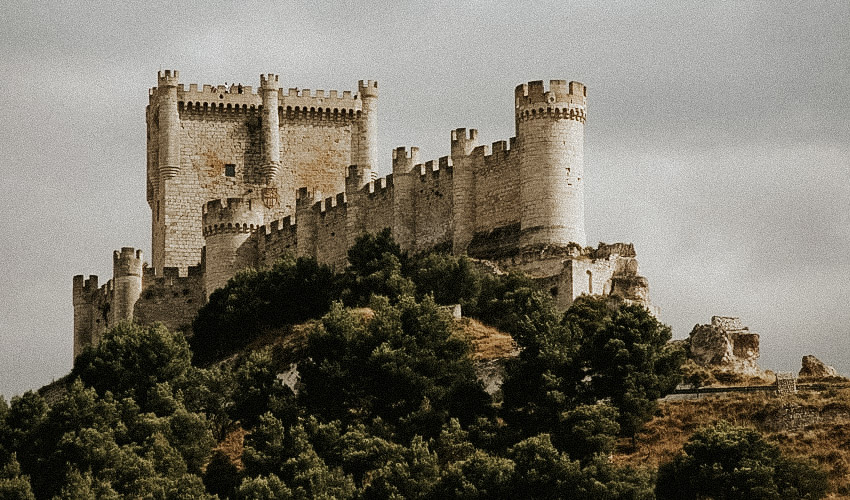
(717, 139)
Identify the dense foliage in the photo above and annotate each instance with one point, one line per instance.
(388, 404)
(726, 462)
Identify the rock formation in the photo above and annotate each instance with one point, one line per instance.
(725, 344)
(815, 368)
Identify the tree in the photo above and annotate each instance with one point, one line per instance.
(626, 355)
(405, 366)
(727, 462)
(376, 266)
(132, 359)
(291, 291)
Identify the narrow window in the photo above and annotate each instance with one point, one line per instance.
(589, 283)
(230, 170)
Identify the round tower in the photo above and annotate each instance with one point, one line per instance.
(550, 138)
(126, 282)
(82, 290)
(271, 127)
(228, 226)
(169, 124)
(365, 152)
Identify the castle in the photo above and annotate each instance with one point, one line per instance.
(236, 177)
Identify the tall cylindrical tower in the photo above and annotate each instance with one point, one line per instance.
(83, 311)
(126, 282)
(364, 154)
(228, 225)
(271, 127)
(404, 177)
(169, 124)
(550, 137)
(463, 189)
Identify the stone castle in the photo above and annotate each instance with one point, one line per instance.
(236, 177)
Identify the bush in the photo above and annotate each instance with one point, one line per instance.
(729, 462)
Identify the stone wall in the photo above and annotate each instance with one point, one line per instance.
(169, 298)
(217, 144)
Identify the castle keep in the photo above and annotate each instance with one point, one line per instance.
(237, 176)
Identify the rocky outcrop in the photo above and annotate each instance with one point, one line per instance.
(725, 344)
(815, 368)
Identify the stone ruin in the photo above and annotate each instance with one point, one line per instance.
(725, 344)
(786, 383)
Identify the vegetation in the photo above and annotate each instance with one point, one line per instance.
(388, 404)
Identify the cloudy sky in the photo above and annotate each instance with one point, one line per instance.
(718, 138)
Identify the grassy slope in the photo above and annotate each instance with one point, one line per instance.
(812, 425)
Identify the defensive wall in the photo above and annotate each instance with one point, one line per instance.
(238, 178)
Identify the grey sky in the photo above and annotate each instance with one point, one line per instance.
(717, 140)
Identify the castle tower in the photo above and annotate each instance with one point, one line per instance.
(463, 189)
(550, 135)
(228, 225)
(127, 267)
(403, 184)
(271, 127)
(364, 151)
(168, 124)
(82, 290)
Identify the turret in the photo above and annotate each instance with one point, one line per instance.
(463, 189)
(364, 151)
(403, 183)
(82, 291)
(271, 127)
(168, 124)
(228, 225)
(550, 137)
(127, 267)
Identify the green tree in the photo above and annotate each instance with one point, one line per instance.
(132, 359)
(13, 485)
(291, 291)
(627, 355)
(376, 266)
(727, 462)
(406, 366)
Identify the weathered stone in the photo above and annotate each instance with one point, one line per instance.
(725, 344)
(815, 368)
(271, 154)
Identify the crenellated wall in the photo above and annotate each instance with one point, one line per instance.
(237, 177)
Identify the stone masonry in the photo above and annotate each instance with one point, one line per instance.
(238, 177)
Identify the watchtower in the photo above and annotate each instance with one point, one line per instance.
(550, 135)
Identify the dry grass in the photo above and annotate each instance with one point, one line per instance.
(823, 435)
(487, 342)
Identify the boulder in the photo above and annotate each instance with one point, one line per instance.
(815, 368)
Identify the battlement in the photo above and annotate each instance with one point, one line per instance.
(269, 82)
(232, 215)
(167, 78)
(434, 167)
(127, 262)
(404, 160)
(276, 227)
(295, 103)
(367, 88)
(84, 288)
(332, 202)
(561, 101)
